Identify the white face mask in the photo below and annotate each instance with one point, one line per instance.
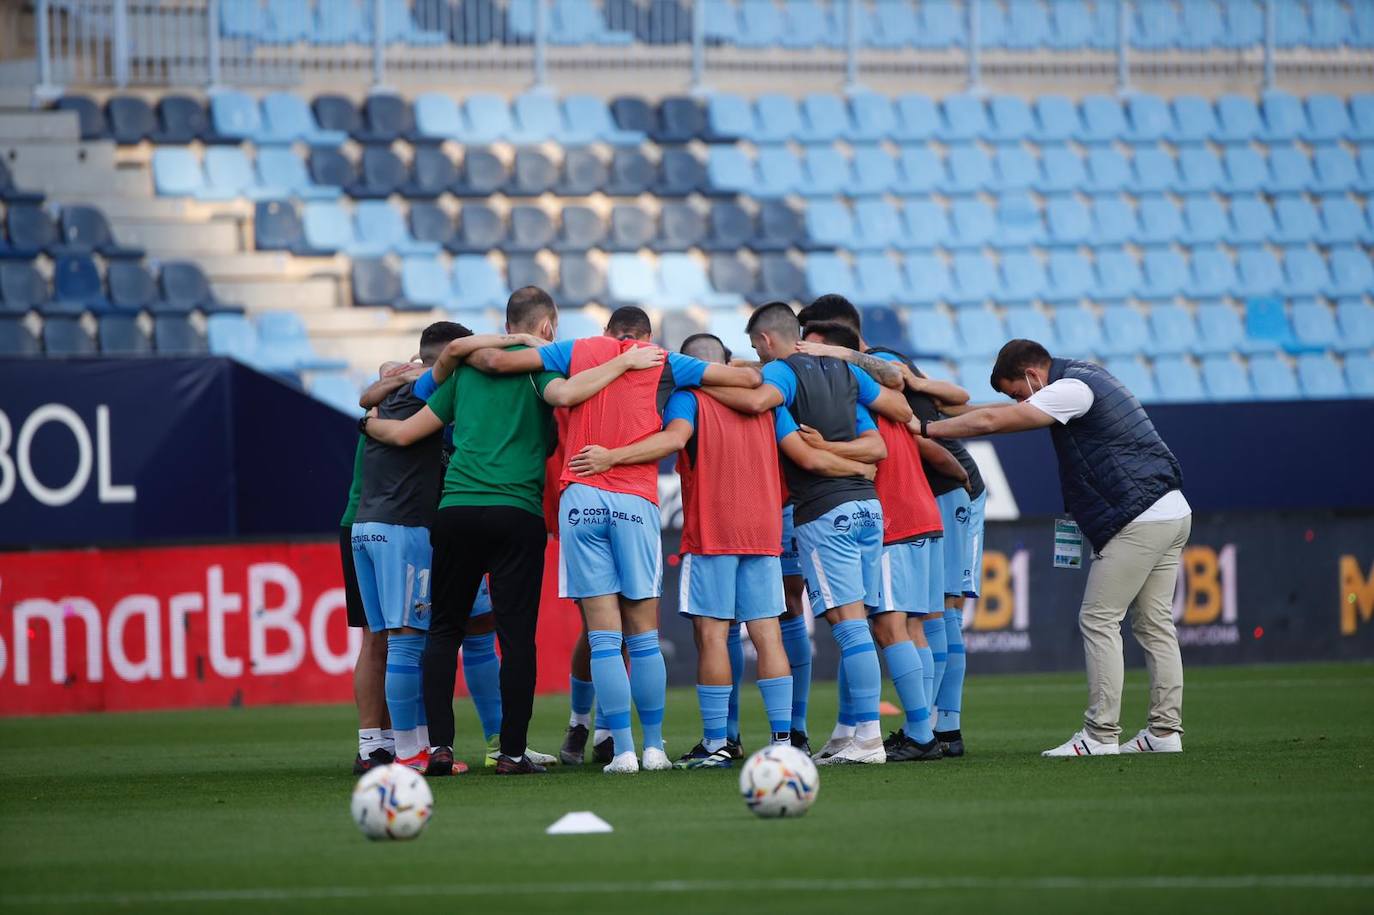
(1029, 386)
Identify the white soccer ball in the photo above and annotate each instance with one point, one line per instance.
(392, 802)
(779, 781)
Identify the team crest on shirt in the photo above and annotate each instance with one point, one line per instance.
(842, 523)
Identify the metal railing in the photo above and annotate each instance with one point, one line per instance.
(371, 42)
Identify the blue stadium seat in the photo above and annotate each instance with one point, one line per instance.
(1018, 221)
(379, 225)
(1335, 171)
(1296, 221)
(1266, 320)
(77, 285)
(1032, 324)
(581, 228)
(525, 270)
(1292, 28)
(22, 287)
(780, 227)
(1160, 221)
(580, 281)
(432, 173)
(400, 27)
(1027, 27)
(1201, 26)
(1252, 222)
(980, 332)
(1118, 275)
(1010, 119)
(477, 284)
(1342, 222)
(1195, 120)
(728, 170)
(1014, 169)
(282, 173)
(1103, 120)
(176, 172)
(229, 175)
(1356, 320)
(438, 118)
(680, 120)
(1238, 120)
(1314, 326)
(533, 174)
(65, 336)
(1359, 374)
(1204, 221)
(233, 336)
(824, 173)
(9, 193)
(779, 173)
(374, 283)
(1165, 274)
(386, 119)
(487, 119)
(1321, 378)
(1226, 379)
(1273, 378)
(731, 228)
(1365, 183)
(1153, 171)
(1071, 25)
(84, 230)
(777, 119)
(1114, 221)
(729, 118)
(682, 173)
(1212, 274)
(122, 335)
(341, 23)
(918, 119)
(877, 225)
(941, 25)
(1220, 332)
(331, 168)
(286, 119)
(579, 22)
(969, 170)
(1056, 119)
(963, 119)
(1172, 330)
(761, 24)
(587, 119)
(1148, 119)
(1069, 277)
(337, 112)
(1284, 119)
(131, 286)
(185, 287)
(632, 228)
(235, 115)
(1328, 119)
(830, 273)
(879, 279)
(1023, 278)
(90, 117)
(16, 339)
(429, 222)
(1332, 26)
(284, 344)
(1178, 380)
(780, 279)
(632, 173)
(925, 225)
(883, 327)
(480, 229)
(927, 278)
(975, 279)
(131, 119)
(1108, 171)
(873, 117)
(920, 171)
(1078, 331)
(973, 223)
(182, 120)
(1199, 171)
(630, 280)
(931, 333)
(1260, 274)
(1155, 25)
(1124, 332)
(381, 173)
(1062, 170)
(729, 273)
(890, 26)
(328, 228)
(1351, 273)
(426, 284)
(683, 226)
(584, 173)
(829, 224)
(1290, 171)
(483, 173)
(633, 113)
(276, 227)
(242, 19)
(1362, 117)
(682, 283)
(1305, 272)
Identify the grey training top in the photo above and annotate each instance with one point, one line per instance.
(401, 485)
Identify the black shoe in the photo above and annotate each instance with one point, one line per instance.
(734, 748)
(574, 750)
(697, 752)
(440, 762)
(951, 743)
(801, 741)
(604, 751)
(894, 739)
(905, 749)
(507, 766)
(374, 759)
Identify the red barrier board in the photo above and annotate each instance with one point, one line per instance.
(202, 626)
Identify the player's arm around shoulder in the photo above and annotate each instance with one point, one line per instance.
(731, 376)
(822, 462)
(401, 433)
(582, 386)
(594, 459)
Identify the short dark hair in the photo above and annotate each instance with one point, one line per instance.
(1014, 358)
(438, 334)
(527, 305)
(775, 318)
(832, 307)
(629, 321)
(837, 333)
(705, 347)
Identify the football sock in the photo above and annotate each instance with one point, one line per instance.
(389, 740)
(845, 720)
(482, 672)
(927, 672)
(951, 695)
(403, 690)
(796, 641)
(370, 739)
(421, 716)
(859, 657)
(736, 649)
(648, 684)
(714, 701)
(939, 652)
(612, 688)
(581, 694)
(904, 666)
(777, 702)
(603, 730)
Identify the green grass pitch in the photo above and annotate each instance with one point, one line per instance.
(1270, 809)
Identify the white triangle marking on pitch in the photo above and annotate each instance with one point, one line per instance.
(577, 823)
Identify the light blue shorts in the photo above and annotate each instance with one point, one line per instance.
(608, 543)
(956, 514)
(482, 605)
(842, 556)
(393, 563)
(790, 558)
(736, 588)
(907, 578)
(973, 550)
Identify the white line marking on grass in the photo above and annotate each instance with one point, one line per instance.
(649, 887)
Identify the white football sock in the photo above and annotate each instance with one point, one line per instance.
(868, 730)
(842, 732)
(370, 739)
(584, 719)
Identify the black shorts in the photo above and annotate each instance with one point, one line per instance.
(353, 598)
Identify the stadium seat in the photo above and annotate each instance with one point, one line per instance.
(1199, 171)
(1321, 378)
(980, 332)
(123, 335)
(1314, 327)
(928, 278)
(587, 119)
(728, 170)
(341, 23)
(1102, 120)
(729, 118)
(920, 171)
(381, 174)
(1334, 170)
(1124, 331)
(1114, 221)
(1148, 120)
(1069, 277)
(1165, 274)
(1359, 374)
(281, 173)
(430, 222)
(525, 270)
(1160, 222)
(533, 174)
(1071, 25)
(480, 229)
(1204, 221)
(682, 282)
(183, 120)
(777, 119)
(185, 287)
(286, 119)
(729, 273)
(1155, 25)
(941, 25)
(879, 279)
(584, 173)
(680, 120)
(780, 279)
(582, 228)
(1260, 274)
(631, 228)
(1023, 278)
(969, 170)
(1107, 171)
(330, 168)
(483, 173)
(1283, 118)
(1238, 120)
(477, 284)
(531, 229)
(1027, 323)
(176, 172)
(825, 118)
(22, 287)
(924, 225)
(1362, 117)
(824, 173)
(131, 287)
(277, 227)
(1265, 319)
(379, 225)
(1067, 220)
(973, 223)
(1018, 221)
(1342, 222)
(963, 119)
(328, 229)
(1118, 276)
(235, 115)
(1304, 273)
(1220, 332)
(1289, 172)
(1352, 273)
(1194, 120)
(633, 113)
(778, 172)
(873, 173)
(1178, 380)
(918, 119)
(1295, 221)
(1078, 330)
(830, 273)
(84, 230)
(1273, 378)
(90, 116)
(630, 280)
(1226, 379)
(630, 174)
(682, 173)
(931, 333)
(16, 339)
(1356, 320)
(877, 225)
(77, 285)
(1327, 121)
(1010, 119)
(1252, 222)
(1056, 119)
(385, 119)
(1153, 171)
(682, 226)
(438, 118)
(975, 279)
(1172, 330)
(284, 345)
(432, 173)
(426, 284)
(891, 26)
(730, 228)
(131, 119)
(1014, 169)
(374, 283)
(574, 325)
(64, 335)
(579, 281)
(337, 112)
(1212, 274)
(1061, 170)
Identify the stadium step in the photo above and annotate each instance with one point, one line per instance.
(301, 296)
(177, 238)
(43, 126)
(346, 324)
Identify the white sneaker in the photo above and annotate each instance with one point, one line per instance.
(623, 764)
(540, 759)
(832, 746)
(856, 751)
(1145, 742)
(1080, 744)
(655, 760)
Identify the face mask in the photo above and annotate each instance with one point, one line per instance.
(1030, 387)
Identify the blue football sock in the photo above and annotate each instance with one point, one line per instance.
(736, 649)
(713, 701)
(482, 672)
(927, 672)
(777, 702)
(859, 657)
(612, 688)
(951, 696)
(939, 652)
(581, 694)
(649, 684)
(403, 690)
(845, 716)
(904, 666)
(796, 641)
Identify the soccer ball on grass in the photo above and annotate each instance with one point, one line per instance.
(392, 802)
(779, 781)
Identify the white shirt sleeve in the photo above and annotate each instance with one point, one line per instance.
(1063, 400)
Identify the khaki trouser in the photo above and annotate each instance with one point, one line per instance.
(1137, 571)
